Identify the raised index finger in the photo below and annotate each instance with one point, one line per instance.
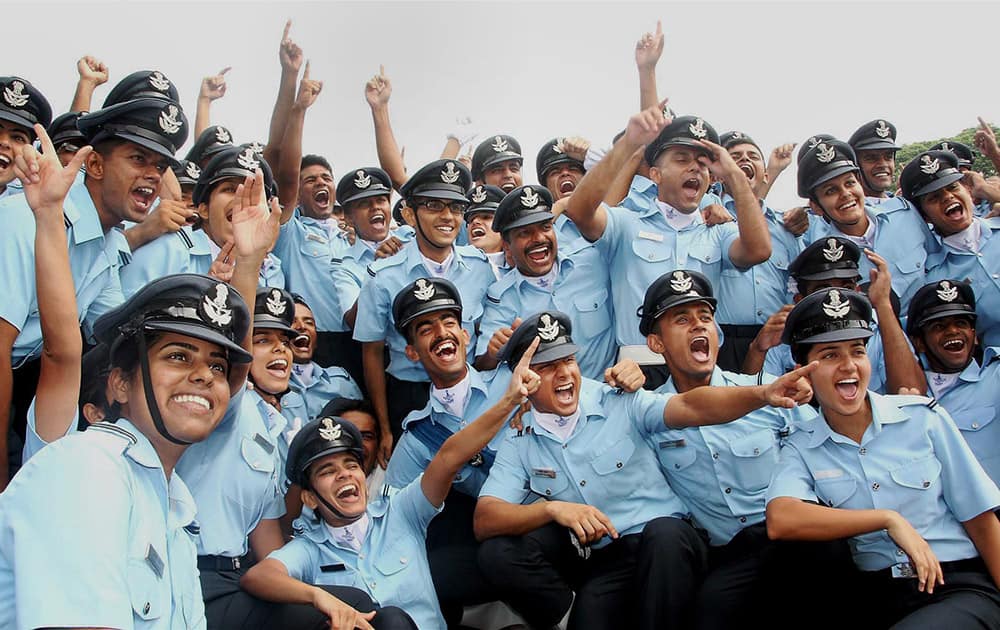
(529, 353)
(225, 70)
(288, 27)
(805, 370)
(43, 138)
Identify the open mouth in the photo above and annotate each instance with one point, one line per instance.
(143, 197)
(699, 349)
(748, 170)
(508, 186)
(565, 393)
(567, 186)
(848, 206)
(848, 388)
(377, 220)
(881, 172)
(954, 211)
(446, 229)
(5, 161)
(277, 368)
(322, 198)
(349, 492)
(477, 231)
(538, 253)
(445, 349)
(193, 402)
(954, 345)
(691, 184)
(302, 342)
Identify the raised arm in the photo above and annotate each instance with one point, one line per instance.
(92, 73)
(902, 370)
(986, 141)
(780, 158)
(290, 56)
(377, 93)
(647, 53)
(290, 158)
(212, 88)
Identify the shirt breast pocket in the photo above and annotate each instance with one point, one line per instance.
(592, 314)
(911, 260)
(754, 457)
(674, 455)
(145, 590)
(547, 485)
(315, 246)
(917, 497)
(615, 458)
(918, 475)
(703, 255)
(836, 492)
(651, 251)
(256, 455)
(392, 561)
(974, 419)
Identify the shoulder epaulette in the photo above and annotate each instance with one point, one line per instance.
(371, 272)
(114, 429)
(124, 258)
(495, 300)
(187, 239)
(914, 399)
(337, 261)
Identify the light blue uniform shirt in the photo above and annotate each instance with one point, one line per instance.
(34, 442)
(392, 565)
(411, 456)
(327, 384)
(973, 402)
(139, 571)
(349, 274)
(750, 296)
(911, 459)
(983, 208)
(605, 462)
(184, 251)
(471, 274)
(982, 270)
(306, 248)
(901, 237)
(236, 475)
(721, 472)
(94, 259)
(581, 289)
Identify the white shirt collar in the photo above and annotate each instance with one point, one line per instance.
(352, 535)
(454, 398)
(940, 383)
(439, 269)
(968, 240)
(546, 281)
(868, 238)
(304, 372)
(559, 426)
(674, 217)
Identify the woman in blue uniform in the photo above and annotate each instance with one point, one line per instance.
(892, 474)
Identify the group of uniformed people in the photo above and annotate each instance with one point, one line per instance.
(239, 393)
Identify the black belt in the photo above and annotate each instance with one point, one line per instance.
(741, 330)
(218, 563)
(952, 566)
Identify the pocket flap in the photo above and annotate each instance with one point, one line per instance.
(919, 475)
(615, 458)
(754, 444)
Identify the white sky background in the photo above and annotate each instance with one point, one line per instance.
(777, 71)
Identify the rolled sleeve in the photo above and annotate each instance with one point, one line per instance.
(791, 477)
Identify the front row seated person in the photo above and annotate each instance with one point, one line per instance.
(378, 547)
(608, 526)
(893, 474)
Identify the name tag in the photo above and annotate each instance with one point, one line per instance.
(544, 472)
(331, 568)
(651, 236)
(672, 443)
(315, 237)
(828, 474)
(154, 561)
(263, 443)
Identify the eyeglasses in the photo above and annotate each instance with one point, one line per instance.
(438, 206)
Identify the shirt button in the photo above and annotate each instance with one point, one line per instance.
(564, 445)
(677, 466)
(715, 456)
(145, 609)
(743, 519)
(361, 555)
(927, 484)
(862, 451)
(618, 465)
(548, 492)
(728, 490)
(975, 425)
(875, 486)
(583, 482)
(900, 552)
(403, 561)
(760, 313)
(756, 451)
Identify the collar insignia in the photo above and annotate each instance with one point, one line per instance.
(697, 128)
(499, 144)
(529, 198)
(825, 153)
(329, 431)
(14, 95)
(833, 251)
(192, 170)
(929, 166)
(548, 329)
(362, 180)
(424, 290)
(834, 307)
(680, 282)
(216, 308)
(275, 304)
(479, 196)
(248, 160)
(946, 292)
(882, 131)
(168, 120)
(449, 175)
(159, 82)
(223, 136)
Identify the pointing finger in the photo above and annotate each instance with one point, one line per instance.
(305, 74)
(44, 139)
(225, 70)
(529, 353)
(288, 27)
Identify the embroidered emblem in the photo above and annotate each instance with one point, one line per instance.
(813, 142)
(168, 119)
(946, 292)
(222, 135)
(449, 397)
(736, 135)
(330, 431)
(192, 170)
(882, 130)
(833, 251)
(558, 146)
(697, 128)
(929, 166)
(275, 304)
(825, 153)
(159, 82)
(257, 147)
(946, 147)
(529, 198)
(362, 180)
(834, 307)
(499, 144)
(248, 160)
(681, 282)
(217, 309)
(424, 290)
(479, 196)
(14, 95)
(449, 175)
(548, 329)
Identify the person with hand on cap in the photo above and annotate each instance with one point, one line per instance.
(961, 376)
(483, 202)
(575, 280)
(967, 246)
(133, 144)
(22, 107)
(874, 145)
(609, 527)
(830, 178)
(341, 528)
(684, 155)
(834, 262)
(560, 168)
(435, 203)
(892, 474)
(984, 194)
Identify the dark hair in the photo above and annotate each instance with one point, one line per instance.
(800, 352)
(339, 406)
(315, 160)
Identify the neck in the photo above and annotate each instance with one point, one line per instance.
(107, 219)
(858, 229)
(444, 382)
(433, 252)
(685, 382)
(852, 425)
(272, 399)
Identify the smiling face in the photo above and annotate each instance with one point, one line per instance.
(370, 217)
(12, 138)
(948, 209)
(340, 480)
(843, 201)
(506, 175)
(304, 323)
(841, 380)
(562, 179)
(559, 391)
(272, 360)
(687, 338)
(217, 214)
(124, 181)
(316, 192)
(481, 234)
(532, 247)
(438, 341)
(189, 382)
(750, 161)
(947, 342)
(436, 230)
(878, 165)
(365, 423)
(680, 178)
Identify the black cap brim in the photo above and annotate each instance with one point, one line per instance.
(376, 192)
(430, 306)
(837, 172)
(553, 353)
(438, 193)
(677, 142)
(937, 184)
(18, 120)
(496, 158)
(686, 299)
(951, 310)
(237, 353)
(265, 323)
(831, 274)
(529, 219)
(548, 166)
(875, 145)
(148, 144)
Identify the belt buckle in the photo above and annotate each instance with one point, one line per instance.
(903, 570)
(236, 564)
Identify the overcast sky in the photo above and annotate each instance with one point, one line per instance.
(777, 71)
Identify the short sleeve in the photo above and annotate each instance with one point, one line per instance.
(968, 490)
(372, 323)
(17, 262)
(646, 410)
(791, 477)
(408, 461)
(300, 557)
(413, 504)
(33, 442)
(508, 478)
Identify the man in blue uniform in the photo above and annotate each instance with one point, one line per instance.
(497, 161)
(483, 202)
(875, 147)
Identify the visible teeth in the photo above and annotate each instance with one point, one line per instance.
(348, 489)
(565, 388)
(847, 206)
(748, 169)
(848, 381)
(378, 218)
(4, 161)
(198, 400)
(567, 186)
(144, 190)
(302, 341)
(541, 249)
(477, 232)
(446, 228)
(278, 364)
(321, 195)
(445, 346)
(954, 344)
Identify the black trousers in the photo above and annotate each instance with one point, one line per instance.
(736, 345)
(452, 551)
(403, 397)
(227, 607)
(644, 581)
(340, 349)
